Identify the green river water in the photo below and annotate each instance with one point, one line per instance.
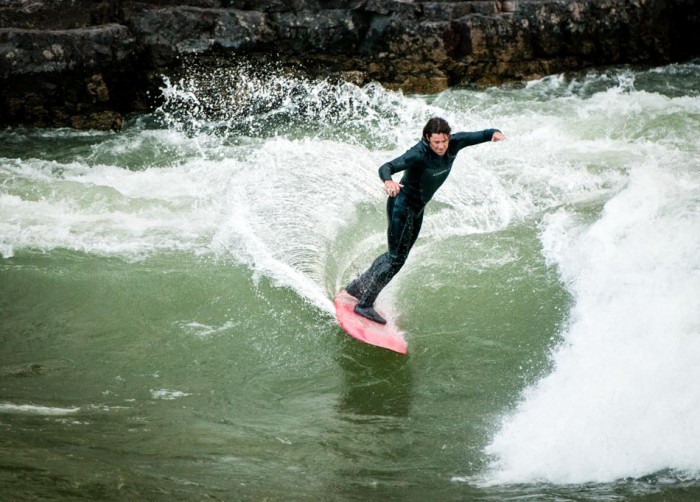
(166, 325)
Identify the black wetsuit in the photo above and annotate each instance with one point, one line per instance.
(424, 172)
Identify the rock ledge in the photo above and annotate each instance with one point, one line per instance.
(86, 63)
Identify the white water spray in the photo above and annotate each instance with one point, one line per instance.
(622, 400)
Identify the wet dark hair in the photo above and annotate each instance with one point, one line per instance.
(436, 125)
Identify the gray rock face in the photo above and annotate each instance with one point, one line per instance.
(85, 63)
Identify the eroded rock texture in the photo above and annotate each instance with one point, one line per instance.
(85, 63)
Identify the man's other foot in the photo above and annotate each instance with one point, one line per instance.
(369, 313)
(354, 289)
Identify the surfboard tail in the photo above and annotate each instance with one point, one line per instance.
(386, 336)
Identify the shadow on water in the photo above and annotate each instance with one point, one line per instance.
(377, 383)
(372, 435)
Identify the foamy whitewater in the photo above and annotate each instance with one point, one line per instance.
(551, 304)
(622, 400)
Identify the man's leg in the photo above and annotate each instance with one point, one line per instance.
(382, 271)
(359, 285)
(403, 230)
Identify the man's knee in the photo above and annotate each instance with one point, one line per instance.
(396, 261)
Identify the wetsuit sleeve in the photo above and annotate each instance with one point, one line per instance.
(408, 159)
(461, 140)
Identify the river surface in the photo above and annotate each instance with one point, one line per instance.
(166, 320)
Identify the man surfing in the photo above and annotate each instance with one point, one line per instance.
(426, 166)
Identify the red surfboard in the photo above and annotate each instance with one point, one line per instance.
(386, 335)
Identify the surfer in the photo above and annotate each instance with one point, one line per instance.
(426, 167)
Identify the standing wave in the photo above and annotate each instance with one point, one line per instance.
(622, 399)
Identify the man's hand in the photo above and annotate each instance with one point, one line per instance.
(498, 136)
(392, 188)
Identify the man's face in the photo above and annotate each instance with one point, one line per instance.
(438, 143)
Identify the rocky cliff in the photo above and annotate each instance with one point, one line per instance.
(85, 63)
